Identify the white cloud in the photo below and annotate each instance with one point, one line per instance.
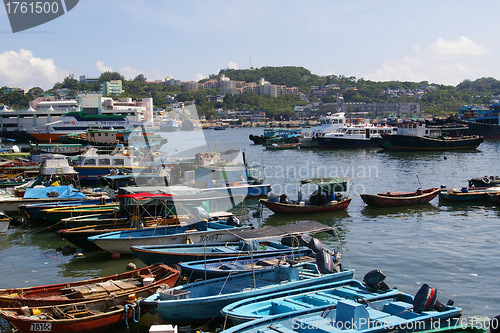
(21, 69)
(444, 62)
(101, 67)
(459, 47)
(232, 65)
(130, 73)
(199, 77)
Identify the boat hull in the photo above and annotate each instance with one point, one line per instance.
(201, 309)
(415, 143)
(284, 208)
(392, 200)
(50, 295)
(173, 254)
(473, 194)
(122, 242)
(326, 142)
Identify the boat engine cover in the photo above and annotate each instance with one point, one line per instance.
(326, 263)
(426, 300)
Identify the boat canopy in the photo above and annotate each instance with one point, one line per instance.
(328, 185)
(304, 227)
(55, 192)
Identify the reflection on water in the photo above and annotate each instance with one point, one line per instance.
(401, 212)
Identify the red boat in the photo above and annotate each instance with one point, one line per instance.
(391, 199)
(90, 316)
(148, 278)
(293, 208)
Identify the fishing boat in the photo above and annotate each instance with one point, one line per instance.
(56, 214)
(175, 253)
(98, 315)
(486, 181)
(465, 194)
(359, 314)
(283, 146)
(484, 121)
(148, 278)
(32, 212)
(324, 199)
(373, 288)
(93, 164)
(202, 301)
(400, 198)
(415, 136)
(289, 135)
(214, 268)
(201, 232)
(256, 241)
(78, 236)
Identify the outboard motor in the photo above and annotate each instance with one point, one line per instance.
(315, 245)
(426, 300)
(233, 221)
(294, 241)
(375, 280)
(326, 263)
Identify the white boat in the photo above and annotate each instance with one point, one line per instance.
(355, 136)
(54, 170)
(328, 124)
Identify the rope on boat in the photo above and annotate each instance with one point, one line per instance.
(136, 313)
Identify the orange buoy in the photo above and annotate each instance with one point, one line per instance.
(115, 255)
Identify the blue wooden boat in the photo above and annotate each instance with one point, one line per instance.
(201, 232)
(32, 211)
(306, 298)
(468, 194)
(199, 302)
(214, 268)
(290, 234)
(402, 313)
(175, 253)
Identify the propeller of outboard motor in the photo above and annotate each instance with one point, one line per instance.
(426, 299)
(375, 280)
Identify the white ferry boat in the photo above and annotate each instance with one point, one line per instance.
(354, 136)
(328, 124)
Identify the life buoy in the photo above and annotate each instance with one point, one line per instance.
(73, 122)
(21, 126)
(347, 121)
(206, 155)
(486, 180)
(306, 134)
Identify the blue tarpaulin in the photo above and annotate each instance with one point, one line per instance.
(53, 192)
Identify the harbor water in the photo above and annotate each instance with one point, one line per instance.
(452, 247)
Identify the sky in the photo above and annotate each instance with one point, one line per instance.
(442, 42)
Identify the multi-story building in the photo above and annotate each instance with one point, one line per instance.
(191, 85)
(113, 87)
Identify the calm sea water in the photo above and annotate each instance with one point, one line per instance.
(453, 247)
